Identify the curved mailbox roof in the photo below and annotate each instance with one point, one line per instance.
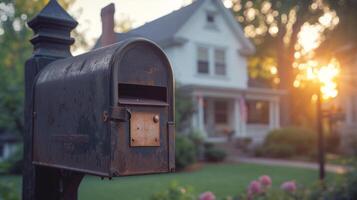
(97, 60)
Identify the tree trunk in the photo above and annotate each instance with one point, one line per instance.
(285, 59)
(286, 80)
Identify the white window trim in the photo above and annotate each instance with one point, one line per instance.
(197, 57)
(211, 61)
(225, 61)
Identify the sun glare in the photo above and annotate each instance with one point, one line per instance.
(310, 37)
(325, 75)
(309, 69)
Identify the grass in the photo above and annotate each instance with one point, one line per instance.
(222, 179)
(341, 159)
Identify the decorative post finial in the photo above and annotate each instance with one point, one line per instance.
(52, 31)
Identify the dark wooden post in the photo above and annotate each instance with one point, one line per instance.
(320, 135)
(51, 41)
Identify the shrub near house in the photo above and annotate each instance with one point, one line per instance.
(288, 142)
(185, 152)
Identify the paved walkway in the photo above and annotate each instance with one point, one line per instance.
(340, 169)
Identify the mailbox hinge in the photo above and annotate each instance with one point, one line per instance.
(171, 142)
(117, 114)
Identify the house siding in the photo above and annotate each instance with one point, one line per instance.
(184, 57)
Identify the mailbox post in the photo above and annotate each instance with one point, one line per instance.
(51, 41)
(108, 112)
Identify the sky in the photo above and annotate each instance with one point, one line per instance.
(87, 13)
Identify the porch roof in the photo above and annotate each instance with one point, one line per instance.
(204, 89)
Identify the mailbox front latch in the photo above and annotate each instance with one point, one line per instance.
(144, 129)
(117, 114)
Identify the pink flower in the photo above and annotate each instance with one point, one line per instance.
(265, 181)
(207, 196)
(289, 186)
(255, 187)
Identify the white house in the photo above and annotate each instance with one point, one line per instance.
(208, 49)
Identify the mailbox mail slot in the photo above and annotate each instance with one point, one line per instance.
(108, 112)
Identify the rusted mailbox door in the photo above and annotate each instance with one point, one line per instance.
(109, 112)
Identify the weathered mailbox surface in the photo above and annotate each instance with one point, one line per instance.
(108, 112)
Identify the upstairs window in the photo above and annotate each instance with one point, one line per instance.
(210, 18)
(202, 60)
(220, 62)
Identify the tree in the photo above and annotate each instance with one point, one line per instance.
(15, 50)
(124, 24)
(274, 26)
(342, 41)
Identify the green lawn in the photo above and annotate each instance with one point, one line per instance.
(222, 179)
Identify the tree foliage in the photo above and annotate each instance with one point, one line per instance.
(15, 50)
(124, 24)
(274, 27)
(342, 41)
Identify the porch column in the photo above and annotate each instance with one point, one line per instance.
(194, 118)
(240, 121)
(274, 114)
(200, 115)
(277, 114)
(271, 114)
(237, 119)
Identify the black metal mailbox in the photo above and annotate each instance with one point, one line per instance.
(109, 112)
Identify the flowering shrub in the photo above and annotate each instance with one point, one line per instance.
(289, 186)
(207, 196)
(255, 188)
(261, 189)
(265, 181)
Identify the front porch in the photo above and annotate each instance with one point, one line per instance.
(222, 114)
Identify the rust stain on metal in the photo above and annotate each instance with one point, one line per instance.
(144, 129)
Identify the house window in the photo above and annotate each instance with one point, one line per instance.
(220, 62)
(220, 112)
(202, 62)
(210, 18)
(258, 112)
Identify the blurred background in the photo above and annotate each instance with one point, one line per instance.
(254, 80)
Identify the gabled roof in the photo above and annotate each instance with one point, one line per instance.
(247, 46)
(163, 29)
